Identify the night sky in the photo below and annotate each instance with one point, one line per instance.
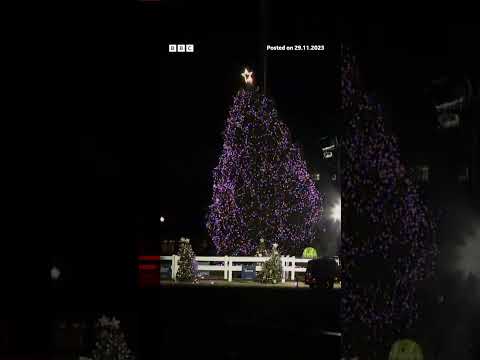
(196, 90)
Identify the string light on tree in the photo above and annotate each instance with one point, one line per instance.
(388, 234)
(261, 187)
(110, 342)
(272, 268)
(186, 268)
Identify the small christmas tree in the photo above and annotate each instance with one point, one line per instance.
(110, 341)
(186, 269)
(272, 268)
(262, 248)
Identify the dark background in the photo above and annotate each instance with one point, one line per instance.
(121, 132)
(130, 132)
(112, 131)
(197, 90)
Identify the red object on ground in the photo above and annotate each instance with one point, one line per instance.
(148, 271)
(149, 258)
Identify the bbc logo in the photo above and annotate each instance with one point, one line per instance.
(180, 48)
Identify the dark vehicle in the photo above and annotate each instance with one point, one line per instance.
(322, 273)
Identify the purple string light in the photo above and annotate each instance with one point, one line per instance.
(385, 222)
(261, 186)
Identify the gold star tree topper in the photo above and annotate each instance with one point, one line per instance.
(247, 76)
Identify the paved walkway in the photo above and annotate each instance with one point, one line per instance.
(234, 283)
(238, 283)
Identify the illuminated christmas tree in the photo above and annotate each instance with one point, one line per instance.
(261, 186)
(186, 268)
(262, 249)
(272, 268)
(110, 341)
(388, 244)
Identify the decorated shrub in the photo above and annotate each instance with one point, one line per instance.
(262, 248)
(272, 268)
(186, 267)
(110, 341)
(405, 350)
(309, 253)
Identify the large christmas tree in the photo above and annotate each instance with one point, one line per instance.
(261, 186)
(388, 244)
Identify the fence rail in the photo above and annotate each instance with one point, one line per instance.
(230, 264)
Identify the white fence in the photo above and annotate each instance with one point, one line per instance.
(230, 264)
